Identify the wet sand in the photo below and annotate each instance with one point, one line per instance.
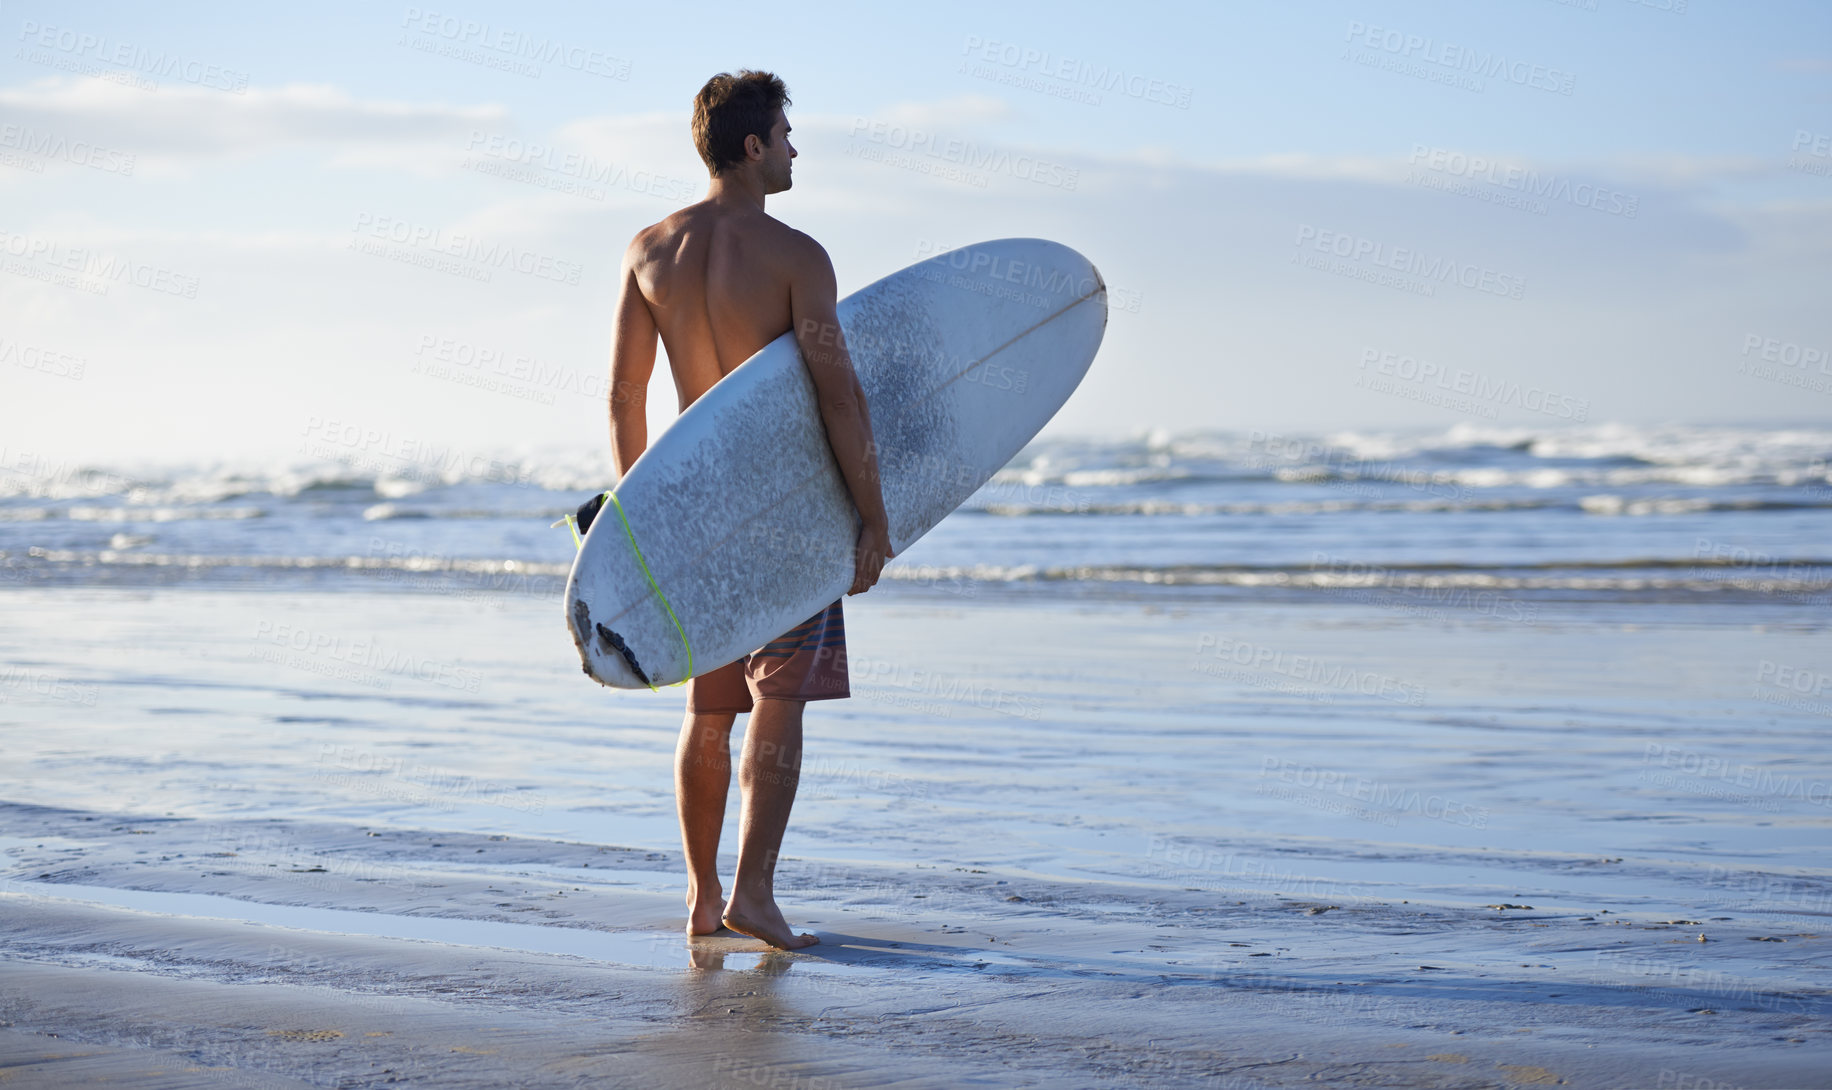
(1481, 857)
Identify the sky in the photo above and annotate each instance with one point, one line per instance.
(226, 227)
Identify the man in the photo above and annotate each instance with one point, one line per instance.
(717, 281)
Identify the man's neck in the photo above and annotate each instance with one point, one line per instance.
(735, 190)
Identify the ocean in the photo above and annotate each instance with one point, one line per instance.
(1470, 517)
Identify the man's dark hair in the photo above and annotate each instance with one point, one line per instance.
(730, 108)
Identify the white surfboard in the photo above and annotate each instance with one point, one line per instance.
(738, 510)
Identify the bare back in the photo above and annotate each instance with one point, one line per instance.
(719, 280)
(717, 283)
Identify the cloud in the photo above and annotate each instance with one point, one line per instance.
(657, 142)
(959, 110)
(1687, 170)
(178, 126)
(182, 123)
(1791, 230)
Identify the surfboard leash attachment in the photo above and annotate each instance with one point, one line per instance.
(581, 520)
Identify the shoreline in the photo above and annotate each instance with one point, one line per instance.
(255, 965)
(218, 869)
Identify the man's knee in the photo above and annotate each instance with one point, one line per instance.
(781, 706)
(709, 724)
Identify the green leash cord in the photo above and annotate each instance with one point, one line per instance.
(572, 524)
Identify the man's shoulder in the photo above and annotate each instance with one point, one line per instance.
(658, 235)
(799, 247)
(795, 252)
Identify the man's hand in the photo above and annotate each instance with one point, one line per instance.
(869, 555)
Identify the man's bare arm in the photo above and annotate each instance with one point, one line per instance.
(813, 303)
(632, 361)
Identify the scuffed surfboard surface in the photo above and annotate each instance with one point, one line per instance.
(739, 508)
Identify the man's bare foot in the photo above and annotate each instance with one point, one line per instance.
(703, 914)
(761, 919)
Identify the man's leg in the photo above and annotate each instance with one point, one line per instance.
(702, 776)
(769, 773)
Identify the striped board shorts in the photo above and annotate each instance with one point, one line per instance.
(808, 662)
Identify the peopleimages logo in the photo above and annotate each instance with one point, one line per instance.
(1526, 181)
(1788, 353)
(988, 265)
(965, 154)
(1451, 57)
(1386, 801)
(371, 448)
(1308, 669)
(82, 153)
(1409, 262)
(48, 361)
(78, 44)
(483, 257)
(81, 267)
(575, 166)
(518, 50)
(1488, 392)
(360, 654)
(1073, 72)
(1786, 362)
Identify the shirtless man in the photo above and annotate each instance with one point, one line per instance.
(717, 281)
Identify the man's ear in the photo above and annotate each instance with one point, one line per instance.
(753, 147)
